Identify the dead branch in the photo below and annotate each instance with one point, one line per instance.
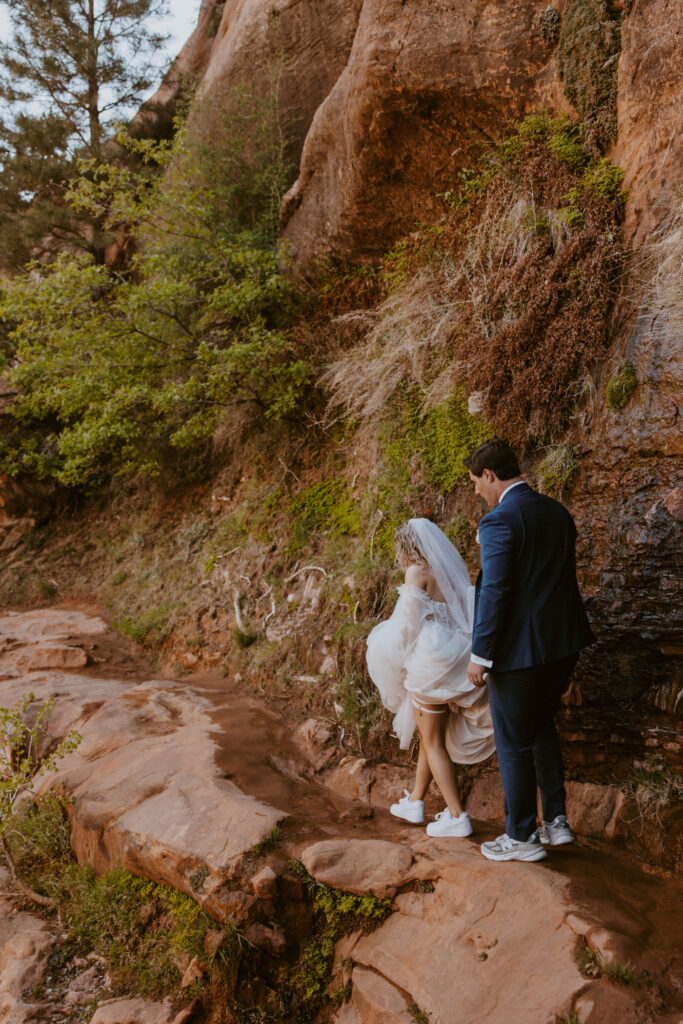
(306, 568)
(44, 901)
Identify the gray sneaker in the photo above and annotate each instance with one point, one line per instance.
(505, 848)
(556, 832)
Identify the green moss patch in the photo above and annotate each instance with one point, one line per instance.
(621, 386)
(323, 507)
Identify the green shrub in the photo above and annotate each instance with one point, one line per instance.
(621, 386)
(150, 627)
(325, 507)
(592, 964)
(47, 589)
(446, 435)
(115, 373)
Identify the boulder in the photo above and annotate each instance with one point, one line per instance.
(25, 944)
(360, 865)
(264, 883)
(82, 988)
(148, 794)
(236, 907)
(353, 778)
(389, 783)
(596, 811)
(134, 1011)
(193, 972)
(269, 938)
(486, 800)
(313, 737)
(59, 656)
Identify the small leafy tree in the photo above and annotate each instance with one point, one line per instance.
(116, 369)
(68, 72)
(21, 764)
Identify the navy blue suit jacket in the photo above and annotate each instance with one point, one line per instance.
(528, 610)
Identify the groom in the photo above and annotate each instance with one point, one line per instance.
(529, 626)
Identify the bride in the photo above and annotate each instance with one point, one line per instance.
(418, 660)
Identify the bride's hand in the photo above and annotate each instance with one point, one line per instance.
(476, 674)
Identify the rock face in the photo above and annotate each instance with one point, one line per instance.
(648, 107)
(23, 504)
(624, 703)
(303, 45)
(425, 85)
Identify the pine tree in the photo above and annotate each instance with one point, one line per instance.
(71, 70)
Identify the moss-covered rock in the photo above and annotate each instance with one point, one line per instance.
(588, 52)
(621, 386)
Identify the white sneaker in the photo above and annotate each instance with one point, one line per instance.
(410, 810)
(446, 825)
(556, 832)
(505, 848)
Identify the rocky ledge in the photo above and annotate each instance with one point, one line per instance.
(150, 794)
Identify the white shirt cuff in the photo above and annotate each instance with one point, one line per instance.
(480, 661)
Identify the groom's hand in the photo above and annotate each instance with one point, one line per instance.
(475, 674)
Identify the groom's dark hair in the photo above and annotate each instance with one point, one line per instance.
(495, 455)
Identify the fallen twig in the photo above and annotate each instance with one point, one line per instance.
(374, 530)
(238, 614)
(270, 613)
(306, 568)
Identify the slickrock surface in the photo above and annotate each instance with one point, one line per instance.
(462, 933)
(148, 794)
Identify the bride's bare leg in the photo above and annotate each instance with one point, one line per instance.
(423, 775)
(432, 729)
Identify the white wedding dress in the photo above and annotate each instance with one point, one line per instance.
(422, 652)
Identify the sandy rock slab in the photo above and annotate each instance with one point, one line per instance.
(480, 943)
(148, 795)
(48, 623)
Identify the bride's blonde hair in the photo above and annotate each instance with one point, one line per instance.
(405, 547)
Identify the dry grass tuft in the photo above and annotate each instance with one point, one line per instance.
(660, 269)
(512, 303)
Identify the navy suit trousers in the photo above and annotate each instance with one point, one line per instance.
(524, 703)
